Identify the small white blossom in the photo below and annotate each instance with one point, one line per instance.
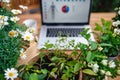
(95, 67)
(105, 62)
(31, 30)
(14, 19)
(116, 23)
(4, 18)
(23, 7)
(116, 9)
(11, 74)
(28, 36)
(13, 33)
(108, 73)
(23, 54)
(6, 1)
(102, 72)
(119, 12)
(117, 31)
(14, 11)
(112, 64)
(100, 48)
(3, 23)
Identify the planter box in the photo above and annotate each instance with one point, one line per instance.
(32, 55)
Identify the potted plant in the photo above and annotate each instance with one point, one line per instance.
(107, 34)
(97, 65)
(54, 65)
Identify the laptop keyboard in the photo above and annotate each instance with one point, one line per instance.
(64, 32)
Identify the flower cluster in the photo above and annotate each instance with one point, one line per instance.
(105, 67)
(14, 40)
(116, 21)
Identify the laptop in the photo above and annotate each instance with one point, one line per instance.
(64, 17)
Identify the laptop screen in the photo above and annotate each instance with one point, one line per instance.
(65, 11)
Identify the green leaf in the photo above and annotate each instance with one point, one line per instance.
(54, 58)
(52, 64)
(21, 74)
(44, 71)
(98, 27)
(89, 57)
(93, 45)
(64, 77)
(33, 76)
(85, 33)
(54, 69)
(103, 21)
(42, 77)
(101, 56)
(21, 67)
(2, 77)
(77, 67)
(108, 24)
(89, 72)
(26, 76)
(48, 45)
(105, 44)
(61, 66)
(41, 55)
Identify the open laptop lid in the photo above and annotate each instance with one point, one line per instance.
(65, 12)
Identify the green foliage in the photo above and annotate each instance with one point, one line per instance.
(33, 76)
(90, 72)
(104, 5)
(56, 64)
(111, 43)
(9, 47)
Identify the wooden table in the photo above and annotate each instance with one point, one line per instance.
(32, 52)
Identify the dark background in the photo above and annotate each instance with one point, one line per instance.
(104, 5)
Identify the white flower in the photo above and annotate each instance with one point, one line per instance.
(14, 19)
(102, 72)
(4, 18)
(23, 7)
(119, 12)
(117, 31)
(105, 62)
(13, 33)
(28, 36)
(31, 30)
(3, 23)
(108, 73)
(116, 23)
(100, 48)
(6, 1)
(14, 11)
(118, 72)
(112, 64)
(22, 50)
(23, 55)
(11, 74)
(90, 64)
(95, 67)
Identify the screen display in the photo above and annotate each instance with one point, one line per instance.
(65, 11)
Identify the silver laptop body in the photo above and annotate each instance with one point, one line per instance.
(64, 18)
